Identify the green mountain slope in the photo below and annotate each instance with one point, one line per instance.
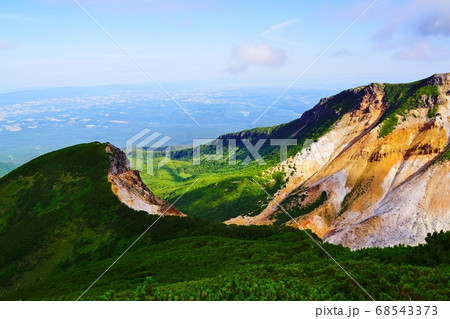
(57, 209)
(222, 191)
(61, 227)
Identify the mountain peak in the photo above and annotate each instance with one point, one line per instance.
(438, 79)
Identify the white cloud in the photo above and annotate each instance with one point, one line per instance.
(436, 22)
(422, 51)
(119, 122)
(251, 53)
(12, 128)
(272, 32)
(416, 30)
(52, 119)
(416, 51)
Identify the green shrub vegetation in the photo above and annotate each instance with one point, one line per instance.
(445, 156)
(299, 210)
(61, 227)
(221, 192)
(402, 98)
(433, 111)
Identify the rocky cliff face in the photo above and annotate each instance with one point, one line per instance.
(378, 189)
(130, 189)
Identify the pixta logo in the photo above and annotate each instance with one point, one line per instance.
(252, 147)
(141, 148)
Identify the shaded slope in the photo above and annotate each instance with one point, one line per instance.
(59, 210)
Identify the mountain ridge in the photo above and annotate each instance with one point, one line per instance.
(360, 159)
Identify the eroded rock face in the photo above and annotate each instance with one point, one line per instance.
(130, 189)
(405, 215)
(382, 191)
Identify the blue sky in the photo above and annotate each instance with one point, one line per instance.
(50, 43)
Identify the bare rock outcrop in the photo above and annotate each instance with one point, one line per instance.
(131, 190)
